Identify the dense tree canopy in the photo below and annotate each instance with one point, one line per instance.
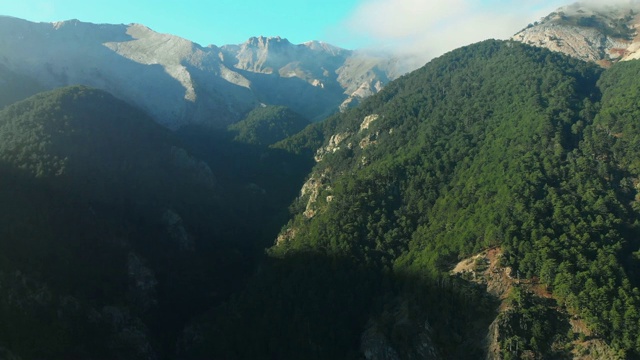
(113, 234)
(267, 125)
(495, 144)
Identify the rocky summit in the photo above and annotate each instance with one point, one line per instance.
(179, 82)
(599, 32)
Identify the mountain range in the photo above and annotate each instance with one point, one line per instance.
(179, 82)
(164, 200)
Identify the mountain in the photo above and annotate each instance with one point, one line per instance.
(486, 205)
(88, 182)
(590, 31)
(69, 137)
(354, 74)
(15, 87)
(496, 148)
(179, 82)
(113, 234)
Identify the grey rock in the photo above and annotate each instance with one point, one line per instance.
(179, 82)
(600, 33)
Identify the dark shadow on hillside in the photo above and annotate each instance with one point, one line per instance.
(257, 183)
(120, 256)
(316, 306)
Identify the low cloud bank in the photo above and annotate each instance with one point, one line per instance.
(418, 30)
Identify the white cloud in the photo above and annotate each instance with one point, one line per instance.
(611, 2)
(423, 29)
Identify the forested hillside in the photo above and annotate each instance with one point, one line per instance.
(497, 144)
(266, 125)
(120, 239)
(113, 234)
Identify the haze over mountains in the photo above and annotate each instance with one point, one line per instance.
(179, 204)
(179, 82)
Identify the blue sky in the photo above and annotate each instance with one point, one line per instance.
(430, 26)
(206, 22)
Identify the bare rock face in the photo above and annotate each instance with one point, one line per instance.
(588, 31)
(174, 80)
(363, 75)
(179, 82)
(317, 184)
(332, 77)
(334, 145)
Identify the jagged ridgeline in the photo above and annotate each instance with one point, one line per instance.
(497, 144)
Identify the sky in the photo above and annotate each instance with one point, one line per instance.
(423, 27)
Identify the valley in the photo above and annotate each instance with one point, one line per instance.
(165, 200)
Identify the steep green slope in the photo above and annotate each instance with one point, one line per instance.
(494, 144)
(112, 236)
(115, 238)
(73, 137)
(268, 125)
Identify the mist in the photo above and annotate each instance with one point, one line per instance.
(418, 30)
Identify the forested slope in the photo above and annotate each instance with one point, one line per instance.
(121, 239)
(113, 234)
(267, 125)
(497, 144)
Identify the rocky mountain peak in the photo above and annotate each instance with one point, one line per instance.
(590, 31)
(266, 41)
(271, 54)
(326, 48)
(60, 24)
(179, 82)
